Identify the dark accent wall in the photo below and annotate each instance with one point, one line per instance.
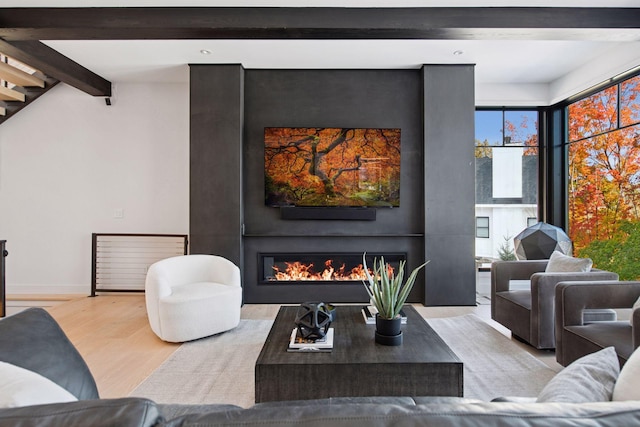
(215, 168)
(331, 98)
(334, 98)
(449, 175)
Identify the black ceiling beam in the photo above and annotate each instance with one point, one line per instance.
(52, 63)
(468, 23)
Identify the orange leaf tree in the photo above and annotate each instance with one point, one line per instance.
(604, 164)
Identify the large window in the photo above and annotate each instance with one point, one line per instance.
(603, 147)
(506, 177)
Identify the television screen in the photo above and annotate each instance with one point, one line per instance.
(332, 167)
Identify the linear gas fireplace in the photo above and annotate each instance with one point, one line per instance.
(319, 268)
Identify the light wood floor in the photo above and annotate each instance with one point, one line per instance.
(112, 334)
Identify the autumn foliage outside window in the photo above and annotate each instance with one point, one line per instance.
(604, 178)
(332, 167)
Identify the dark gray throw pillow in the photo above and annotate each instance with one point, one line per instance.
(588, 379)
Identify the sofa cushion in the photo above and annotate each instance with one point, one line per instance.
(377, 400)
(519, 297)
(588, 379)
(95, 413)
(605, 334)
(561, 263)
(21, 387)
(626, 387)
(33, 340)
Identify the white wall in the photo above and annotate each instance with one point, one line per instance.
(68, 161)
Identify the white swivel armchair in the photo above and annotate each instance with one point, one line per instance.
(193, 296)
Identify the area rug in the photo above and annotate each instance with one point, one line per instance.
(217, 369)
(220, 369)
(494, 366)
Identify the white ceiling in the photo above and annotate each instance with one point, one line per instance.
(497, 61)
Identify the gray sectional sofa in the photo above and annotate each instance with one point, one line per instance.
(33, 340)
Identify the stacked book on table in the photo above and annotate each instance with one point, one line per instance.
(369, 313)
(299, 344)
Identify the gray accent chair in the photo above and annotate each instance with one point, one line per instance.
(529, 313)
(576, 338)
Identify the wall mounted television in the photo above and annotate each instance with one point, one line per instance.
(322, 167)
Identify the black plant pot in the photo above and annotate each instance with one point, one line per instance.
(388, 331)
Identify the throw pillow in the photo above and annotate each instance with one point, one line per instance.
(561, 263)
(588, 379)
(626, 387)
(21, 387)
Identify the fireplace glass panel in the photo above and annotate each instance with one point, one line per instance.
(300, 268)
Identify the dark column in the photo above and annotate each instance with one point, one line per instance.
(216, 105)
(449, 177)
(555, 190)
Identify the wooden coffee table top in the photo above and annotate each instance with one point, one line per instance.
(354, 342)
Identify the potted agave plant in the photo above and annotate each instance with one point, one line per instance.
(388, 293)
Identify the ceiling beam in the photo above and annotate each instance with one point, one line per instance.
(462, 23)
(52, 63)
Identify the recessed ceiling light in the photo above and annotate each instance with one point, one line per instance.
(205, 51)
(458, 52)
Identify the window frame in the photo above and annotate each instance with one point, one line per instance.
(479, 227)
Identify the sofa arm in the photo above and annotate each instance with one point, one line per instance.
(129, 411)
(635, 324)
(573, 297)
(504, 271)
(543, 287)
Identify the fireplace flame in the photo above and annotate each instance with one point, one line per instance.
(297, 271)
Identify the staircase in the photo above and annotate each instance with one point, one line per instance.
(20, 85)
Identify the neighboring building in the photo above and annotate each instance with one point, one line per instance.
(506, 198)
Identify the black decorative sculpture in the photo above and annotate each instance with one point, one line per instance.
(540, 240)
(313, 320)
